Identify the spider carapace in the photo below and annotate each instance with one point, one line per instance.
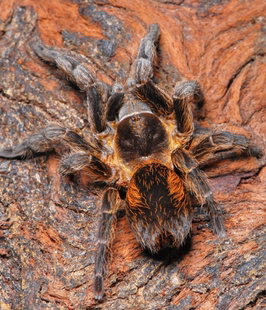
(150, 164)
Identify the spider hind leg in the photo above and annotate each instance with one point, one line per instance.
(110, 205)
(196, 184)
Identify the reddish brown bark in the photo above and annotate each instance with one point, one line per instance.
(47, 250)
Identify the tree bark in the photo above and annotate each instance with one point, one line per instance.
(47, 249)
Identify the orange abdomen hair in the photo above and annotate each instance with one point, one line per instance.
(158, 207)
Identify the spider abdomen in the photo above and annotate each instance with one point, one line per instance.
(158, 207)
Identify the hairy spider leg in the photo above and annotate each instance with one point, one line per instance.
(111, 203)
(196, 183)
(97, 96)
(63, 141)
(96, 170)
(53, 138)
(140, 83)
(214, 147)
(186, 94)
(72, 69)
(97, 92)
(115, 102)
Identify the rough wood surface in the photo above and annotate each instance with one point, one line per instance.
(47, 250)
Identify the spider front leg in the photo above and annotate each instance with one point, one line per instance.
(140, 83)
(195, 182)
(97, 92)
(111, 202)
(185, 95)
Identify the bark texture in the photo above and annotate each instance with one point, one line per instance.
(47, 250)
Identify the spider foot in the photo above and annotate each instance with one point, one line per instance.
(189, 90)
(218, 226)
(98, 287)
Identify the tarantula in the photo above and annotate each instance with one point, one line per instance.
(150, 165)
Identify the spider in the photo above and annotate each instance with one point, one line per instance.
(149, 164)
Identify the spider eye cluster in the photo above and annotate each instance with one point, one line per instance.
(140, 135)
